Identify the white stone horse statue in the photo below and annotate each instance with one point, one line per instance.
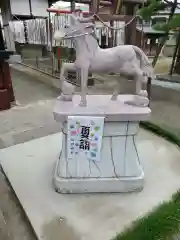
(126, 60)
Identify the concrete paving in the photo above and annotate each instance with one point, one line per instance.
(13, 222)
(29, 167)
(33, 119)
(27, 89)
(167, 115)
(165, 104)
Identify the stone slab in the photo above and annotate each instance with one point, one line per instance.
(118, 170)
(101, 185)
(29, 167)
(101, 105)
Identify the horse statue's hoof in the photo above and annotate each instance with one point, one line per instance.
(83, 103)
(138, 101)
(143, 93)
(141, 101)
(114, 98)
(64, 97)
(68, 88)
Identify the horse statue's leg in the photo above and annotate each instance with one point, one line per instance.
(140, 99)
(138, 79)
(139, 76)
(116, 91)
(84, 80)
(67, 88)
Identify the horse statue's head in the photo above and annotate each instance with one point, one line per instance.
(78, 27)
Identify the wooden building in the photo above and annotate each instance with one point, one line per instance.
(109, 10)
(113, 10)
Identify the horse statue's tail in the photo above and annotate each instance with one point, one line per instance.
(146, 66)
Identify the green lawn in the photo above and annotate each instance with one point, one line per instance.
(163, 222)
(160, 224)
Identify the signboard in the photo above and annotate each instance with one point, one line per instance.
(85, 137)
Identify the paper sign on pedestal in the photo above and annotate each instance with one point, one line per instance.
(85, 136)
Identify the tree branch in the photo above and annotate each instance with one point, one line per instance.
(173, 8)
(168, 2)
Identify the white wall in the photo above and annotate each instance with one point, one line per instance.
(39, 7)
(21, 7)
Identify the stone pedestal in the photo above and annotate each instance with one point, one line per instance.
(119, 169)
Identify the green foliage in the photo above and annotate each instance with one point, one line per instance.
(161, 27)
(171, 25)
(164, 131)
(175, 22)
(152, 9)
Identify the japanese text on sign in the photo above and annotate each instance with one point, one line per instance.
(84, 141)
(85, 136)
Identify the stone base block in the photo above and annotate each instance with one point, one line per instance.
(98, 185)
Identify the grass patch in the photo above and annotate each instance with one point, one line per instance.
(162, 131)
(160, 224)
(163, 222)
